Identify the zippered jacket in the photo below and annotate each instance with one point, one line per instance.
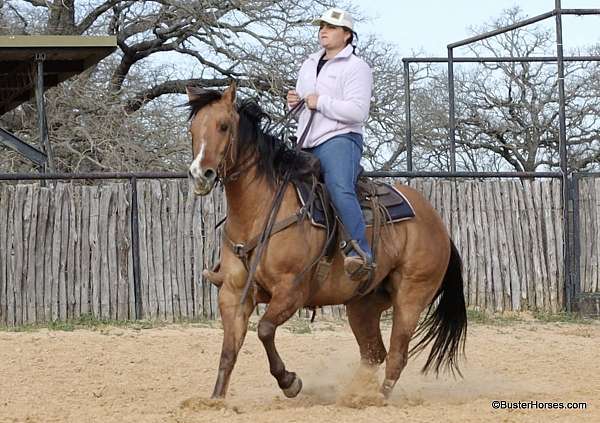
(344, 86)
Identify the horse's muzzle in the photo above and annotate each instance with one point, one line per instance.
(202, 185)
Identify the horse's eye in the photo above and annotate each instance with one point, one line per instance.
(224, 127)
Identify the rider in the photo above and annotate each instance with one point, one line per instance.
(337, 85)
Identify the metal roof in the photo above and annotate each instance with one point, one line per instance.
(64, 57)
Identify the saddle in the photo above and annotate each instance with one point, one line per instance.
(391, 203)
(380, 203)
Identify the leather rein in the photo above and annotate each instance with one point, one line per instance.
(244, 251)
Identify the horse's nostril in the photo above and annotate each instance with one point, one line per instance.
(209, 174)
(190, 174)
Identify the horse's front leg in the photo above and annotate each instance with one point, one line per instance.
(284, 303)
(234, 317)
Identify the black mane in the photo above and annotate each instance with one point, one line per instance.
(255, 140)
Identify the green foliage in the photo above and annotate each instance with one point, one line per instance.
(562, 317)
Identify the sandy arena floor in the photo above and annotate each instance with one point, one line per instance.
(166, 375)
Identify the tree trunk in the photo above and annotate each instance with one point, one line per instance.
(62, 18)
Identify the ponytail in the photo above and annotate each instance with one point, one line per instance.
(352, 39)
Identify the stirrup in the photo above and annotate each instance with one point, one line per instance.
(365, 270)
(362, 273)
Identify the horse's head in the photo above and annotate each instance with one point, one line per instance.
(213, 125)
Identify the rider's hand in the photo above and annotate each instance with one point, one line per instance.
(292, 99)
(311, 101)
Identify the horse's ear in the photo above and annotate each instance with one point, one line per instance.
(229, 94)
(192, 93)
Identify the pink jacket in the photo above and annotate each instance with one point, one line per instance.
(344, 87)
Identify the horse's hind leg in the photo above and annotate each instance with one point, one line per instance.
(410, 296)
(364, 315)
(284, 303)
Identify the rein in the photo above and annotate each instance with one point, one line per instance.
(277, 200)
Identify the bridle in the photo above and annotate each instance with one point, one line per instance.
(223, 174)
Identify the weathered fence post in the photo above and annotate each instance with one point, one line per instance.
(135, 245)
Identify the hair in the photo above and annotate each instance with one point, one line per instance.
(351, 39)
(274, 158)
(353, 34)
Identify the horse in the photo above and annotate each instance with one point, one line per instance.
(418, 266)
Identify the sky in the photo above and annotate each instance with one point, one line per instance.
(428, 26)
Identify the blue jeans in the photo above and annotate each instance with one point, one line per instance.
(340, 165)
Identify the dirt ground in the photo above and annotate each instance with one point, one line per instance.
(166, 374)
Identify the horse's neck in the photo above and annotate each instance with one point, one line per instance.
(248, 200)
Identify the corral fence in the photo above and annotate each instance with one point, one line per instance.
(133, 246)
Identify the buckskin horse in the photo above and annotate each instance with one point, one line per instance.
(418, 266)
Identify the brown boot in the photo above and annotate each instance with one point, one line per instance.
(357, 269)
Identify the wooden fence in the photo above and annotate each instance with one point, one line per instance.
(66, 250)
(510, 236)
(589, 215)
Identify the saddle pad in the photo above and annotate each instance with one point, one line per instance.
(397, 206)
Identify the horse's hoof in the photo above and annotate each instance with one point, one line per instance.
(387, 387)
(294, 388)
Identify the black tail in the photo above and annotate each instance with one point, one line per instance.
(445, 324)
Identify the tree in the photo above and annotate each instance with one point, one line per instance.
(507, 113)
(164, 45)
(122, 114)
(510, 110)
